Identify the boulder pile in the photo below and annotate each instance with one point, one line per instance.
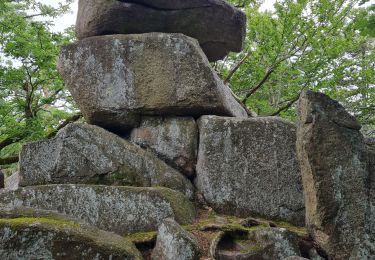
(170, 160)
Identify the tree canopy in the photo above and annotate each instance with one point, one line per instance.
(33, 101)
(322, 45)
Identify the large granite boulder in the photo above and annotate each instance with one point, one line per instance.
(173, 242)
(87, 154)
(29, 234)
(173, 139)
(114, 79)
(249, 167)
(219, 27)
(122, 210)
(334, 166)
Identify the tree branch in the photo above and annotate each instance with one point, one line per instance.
(259, 85)
(231, 73)
(287, 106)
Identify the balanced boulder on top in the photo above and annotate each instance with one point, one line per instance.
(114, 79)
(219, 27)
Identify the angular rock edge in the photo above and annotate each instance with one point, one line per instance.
(29, 233)
(117, 78)
(87, 154)
(217, 26)
(336, 178)
(250, 167)
(122, 210)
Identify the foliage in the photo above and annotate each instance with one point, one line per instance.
(33, 101)
(321, 45)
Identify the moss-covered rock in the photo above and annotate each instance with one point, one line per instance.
(87, 154)
(32, 234)
(123, 210)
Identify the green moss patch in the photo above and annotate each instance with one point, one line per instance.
(22, 221)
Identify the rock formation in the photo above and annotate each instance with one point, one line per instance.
(217, 26)
(336, 178)
(165, 135)
(249, 166)
(117, 78)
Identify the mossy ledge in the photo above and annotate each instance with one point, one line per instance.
(55, 235)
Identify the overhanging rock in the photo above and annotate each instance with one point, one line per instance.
(249, 167)
(217, 26)
(115, 79)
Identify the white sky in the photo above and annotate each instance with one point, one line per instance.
(69, 19)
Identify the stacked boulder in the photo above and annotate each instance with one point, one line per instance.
(160, 121)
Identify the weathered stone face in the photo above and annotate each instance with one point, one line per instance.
(28, 234)
(116, 78)
(173, 139)
(122, 210)
(173, 242)
(335, 174)
(219, 27)
(249, 167)
(87, 154)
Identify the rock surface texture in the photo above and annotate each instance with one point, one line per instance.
(335, 172)
(173, 242)
(87, 154)
(173, 139)
(218, 26)
(249, 167)
(122, 210)
(28, 234)
(264, 243)
(114, 79)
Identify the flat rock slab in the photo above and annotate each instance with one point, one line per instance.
(122, 210)
(249, 167)
(336, 178)
(114, 79)
(219, 27)
(173, 139)
(29, 234)
(87, 154)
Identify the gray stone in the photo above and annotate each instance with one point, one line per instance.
(173, 242)
(248, 167)
(295, 258)
(173, 139)
(29, 234)
(12, 182)
(334, 166)
(87, 154)
(114, 79)
(122, 210)
(218, 26)
(263, 243)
